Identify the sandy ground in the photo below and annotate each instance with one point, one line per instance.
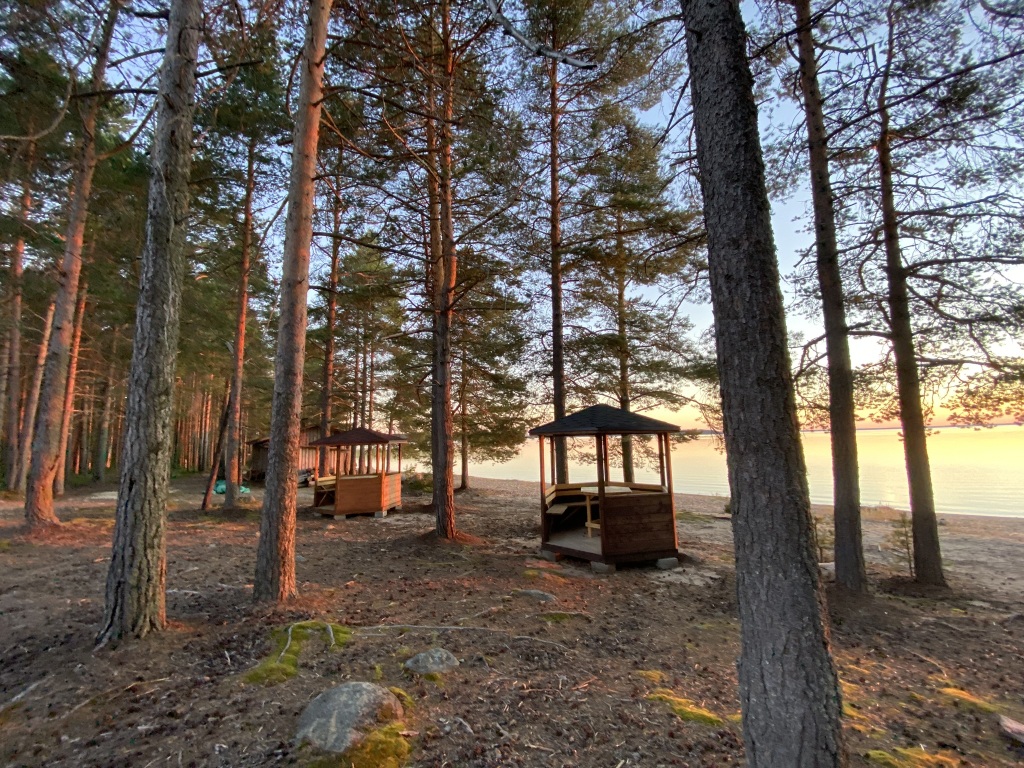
(570, 682)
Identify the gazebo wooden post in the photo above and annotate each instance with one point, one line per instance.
(607, 460)
(543, 488)
(668, 476)
(399, 458)
(662, 439)
(551, 447)
(602, 478)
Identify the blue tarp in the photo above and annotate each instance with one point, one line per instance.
(220, 487)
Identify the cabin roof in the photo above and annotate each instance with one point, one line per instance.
(603, 419)
(360, 436)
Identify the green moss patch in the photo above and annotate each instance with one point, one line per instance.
(968, 699)
(910, 758)
(407, 703)
(882, 758)
(653, 675)
(685, 709)
(382, 748)
(283, 662)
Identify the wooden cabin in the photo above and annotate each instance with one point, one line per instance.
(309, 455)
(367, 474)
(599, 519)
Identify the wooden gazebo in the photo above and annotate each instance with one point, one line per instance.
(365, 479)
(602, 520)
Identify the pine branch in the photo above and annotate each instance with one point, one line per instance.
(539, 49)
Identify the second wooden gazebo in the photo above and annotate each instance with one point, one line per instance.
(363, 481)
(602, 520)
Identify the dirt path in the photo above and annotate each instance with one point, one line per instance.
(561, 683)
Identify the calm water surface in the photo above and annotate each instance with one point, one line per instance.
(975, 472)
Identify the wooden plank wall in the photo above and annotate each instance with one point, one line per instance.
(392, 491)
(637, 523)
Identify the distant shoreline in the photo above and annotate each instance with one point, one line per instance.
(712, 504)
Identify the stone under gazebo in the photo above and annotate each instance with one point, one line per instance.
(601, 520)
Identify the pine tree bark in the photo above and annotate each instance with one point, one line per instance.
(231, 469)
(441, 433)
(327, 383)
(924, 523)
(99, 466)
(275, 558)
(851, 572)
(557, 320)
(789, 689)
(87, 409)
(463, 425)
(28, 422)
(218, 447)
(69, 395)
(47, 432)
(12, 443)
(5, 361)
(136, 580)
(625, 401)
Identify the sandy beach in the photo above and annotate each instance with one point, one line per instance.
(979, 552)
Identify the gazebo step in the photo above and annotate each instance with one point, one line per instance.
(557, 509)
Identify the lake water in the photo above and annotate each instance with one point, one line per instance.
(975, 472)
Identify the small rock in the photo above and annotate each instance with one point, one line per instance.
(597, 567)
(335, 720)
(979, 603)
(1011, 729)
(536, 594)
(436, 661)
(667, 563)
(300, 559)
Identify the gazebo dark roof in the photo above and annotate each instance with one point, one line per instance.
(603, 420)
(360, 436)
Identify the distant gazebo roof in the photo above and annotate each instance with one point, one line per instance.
(360, 436)
(603, 420)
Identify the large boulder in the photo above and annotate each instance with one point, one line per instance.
(338, 718)
(436, 661)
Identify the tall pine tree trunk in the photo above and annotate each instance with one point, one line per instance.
(231, 462)
(849, 550)
(47, 433)
(327, 383)
(99, 465)
(12, 443)
(441, 433)
(69, 394)
(557, 322)
(924, 523)
(789, 689)
(463, 424)
(5, 361)
(275, 558)
(622, 340)
(218, 448)
(136, 580)
(28, 420)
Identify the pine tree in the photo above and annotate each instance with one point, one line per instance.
(786, 672)
(135, 600)
(275, 559)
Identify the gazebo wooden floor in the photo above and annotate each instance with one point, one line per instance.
(576, 540)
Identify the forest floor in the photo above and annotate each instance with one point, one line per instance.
(588, 679)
